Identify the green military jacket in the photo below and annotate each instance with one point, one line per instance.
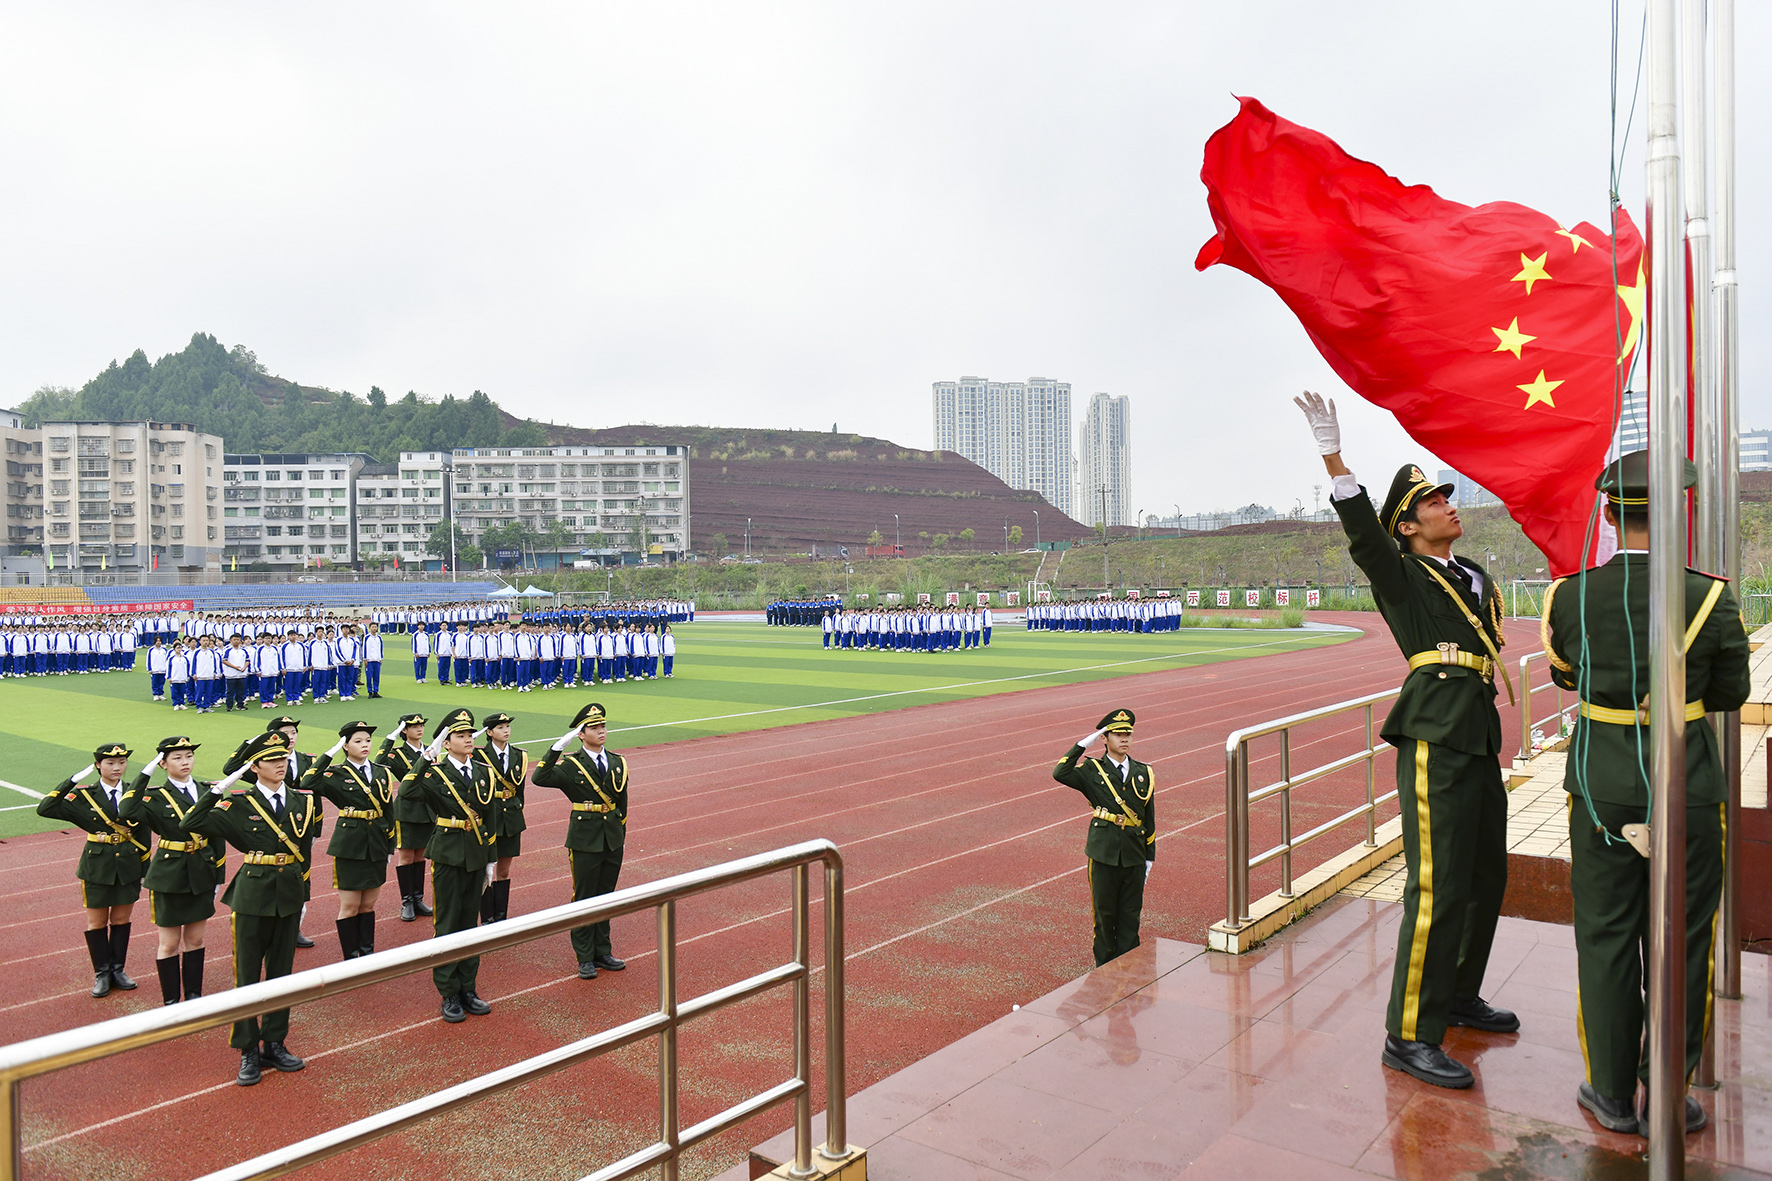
(1612, 757)
(182, 864)
(1114, 799)
(121, 857)
(398, 758)
(242, 818)
(1444, 704)
(365, 828)
(508, 780)
(599, 801)
(466, 810)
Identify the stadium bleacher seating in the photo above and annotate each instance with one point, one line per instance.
(59, 595)
(253, 596)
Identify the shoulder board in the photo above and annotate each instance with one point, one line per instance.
(1706, 574)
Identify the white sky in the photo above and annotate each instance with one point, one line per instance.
(773, 215)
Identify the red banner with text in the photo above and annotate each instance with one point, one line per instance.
(106, 608)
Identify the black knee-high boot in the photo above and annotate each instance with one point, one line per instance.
(366, 933)
(193, 973)
(119, 953)
(167, 966)
(501, 900)
(347, 936)
(418, 889)
(98, 946)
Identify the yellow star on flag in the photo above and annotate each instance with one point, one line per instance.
(1511, 338)
(1634, 297)
(1576, 241)
(1531, 271)
(1538, 391)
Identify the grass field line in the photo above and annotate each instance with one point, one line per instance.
(35, 795)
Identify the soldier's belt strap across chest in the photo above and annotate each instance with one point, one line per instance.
(1113, 817)
(190, 846)
(581, 806)
(1448, 654)
(1632, 717)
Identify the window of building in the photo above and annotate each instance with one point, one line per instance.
(58, 487)
(212, 533)
(273, 531)
(316, 475)
(336, 475)
(252, 512)
(270, 477)
(273, 551)
(296, 530)
(409, 474)
(209, 450)
(123, 532)
(125, 446)
(409, 493)
(61, 444)
(125, 467)
(232, 512)
(294, 475)
(175, 449)
(178, 531)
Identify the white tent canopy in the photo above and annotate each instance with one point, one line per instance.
(504, 592)
(533, 591)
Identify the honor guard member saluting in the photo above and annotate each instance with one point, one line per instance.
(111, 864)
(412, 817)
(1596, 634)
(458, 791)
(362, 838)
(1446, 618)
(509, 768)
(1122, 842)
(271, 821)
(185, 871)
(299, 764)
(596, 781)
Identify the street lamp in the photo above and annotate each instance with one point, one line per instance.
(449, 506)
(1036, 528)
(1005, 534)
(1178, 520)
(1138, 524)
(747, 537)
(895, 534)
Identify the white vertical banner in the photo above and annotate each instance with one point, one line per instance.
(953, 599)
(984, 599)
(1132, 594)
(1193, 598)
(1313, 598)
(1012, 598)
(1282, 597)
(1224, 598)
(1251, 598)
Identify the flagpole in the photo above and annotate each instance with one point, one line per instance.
(1665, 1014)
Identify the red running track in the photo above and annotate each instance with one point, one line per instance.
(965, 896)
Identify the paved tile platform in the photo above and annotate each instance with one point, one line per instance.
(1178, 1062)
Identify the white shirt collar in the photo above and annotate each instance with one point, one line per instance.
(1123, 765)
(466, 768)
(270, 794)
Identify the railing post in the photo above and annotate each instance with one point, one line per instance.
(802, 1026)
(1526, 707)
(836, 1072)
(12, 1162)
(667, 1038)
(1371, 785)
(1232, 902)
(1286, 813)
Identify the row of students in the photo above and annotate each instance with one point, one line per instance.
(67, 648)
(334, 662)
(909, 629)
(1119, 615)
(526, 656)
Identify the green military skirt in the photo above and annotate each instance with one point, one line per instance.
(350, 873)
(511, 846)
(94, 895)
(411, 834)
(172, 909)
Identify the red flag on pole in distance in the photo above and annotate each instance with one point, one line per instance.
(1493, 333)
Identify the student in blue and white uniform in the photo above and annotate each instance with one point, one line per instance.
(372, 657)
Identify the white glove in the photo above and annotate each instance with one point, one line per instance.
(1147, 870)
(148, 767)
(480, 733)
(1090, 739)
(336, 747)
(227, 781)
(1321, 417)
(83, 772)
(565, 740)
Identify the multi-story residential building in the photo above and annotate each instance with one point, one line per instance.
(132, 496)
(1019, 431)
(1104, 459)
(1466, 492)
(289, 511)
(631, 499)
(1633, 435)
(399, 504)
(23, 492)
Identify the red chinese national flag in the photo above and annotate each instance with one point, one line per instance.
(1492, 333)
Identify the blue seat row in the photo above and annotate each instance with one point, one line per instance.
(252, 596)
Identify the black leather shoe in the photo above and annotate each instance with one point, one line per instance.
(120, 979)
(1615, 1115)
(609, 963)
(302, 940)
(249, 1072)
(1426, 1062)
(471, 1002)
(418, 904)
(585, 972)
(101, 983)
(408, 912)
(452, 1010)
(1478, 1013)
(1695, 1117)
(278, 1055)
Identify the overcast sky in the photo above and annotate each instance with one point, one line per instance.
(775, 215)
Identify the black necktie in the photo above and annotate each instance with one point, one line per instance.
(277, 806)
(1461, 578)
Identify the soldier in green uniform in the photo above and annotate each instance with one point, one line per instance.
(596, 781)
(1596, 634)
(1446, 618)
(509, 767)
(458, 792)
(412, 819)
(363, 838)
(112, 862)
(300, 762)
(1122, 841)
(271, 821)
(183, 876)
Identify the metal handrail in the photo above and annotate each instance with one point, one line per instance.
(1527, 725)
(1238, 797)
(57, 1051)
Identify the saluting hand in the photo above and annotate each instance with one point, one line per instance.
(229, 780)
(83, 772)
(1320, 415)
(148, 767)
(565, 740)
(332, 752)
(1090, 739)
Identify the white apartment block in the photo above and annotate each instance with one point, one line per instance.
(399, 504)
(636, 498)
(1633, 435)
(1019, 431)
(290, 511)
(23, 490)
(132, 496)
(1104, 461)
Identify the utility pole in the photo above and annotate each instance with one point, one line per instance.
(1106, 582)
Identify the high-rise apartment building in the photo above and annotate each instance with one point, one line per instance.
(23, 489)
(1019, 431)
(290, 511)
(132, 496)
(1104, 461)
(633, 498)
(1633, 435)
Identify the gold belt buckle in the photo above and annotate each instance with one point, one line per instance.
(1448, 653)
(282, 859)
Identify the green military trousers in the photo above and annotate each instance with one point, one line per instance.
(1116, 895)
(264, 948)
(593, 874)
(1454, 812)
(456, 907)
(1611, 886)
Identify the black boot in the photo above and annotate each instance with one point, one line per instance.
(193, 973)
(347, 937)
(403, 875)
(98, 945)
(167, 967)
(366, 933)
(119, 953)
(488, 903)
(502, 904)
(418, 889)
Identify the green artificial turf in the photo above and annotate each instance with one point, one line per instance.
(730, 677)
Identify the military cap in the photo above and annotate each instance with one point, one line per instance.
(498, 719)
(167, 745)
(455, 719)
(270, 745)
(409, 720)
(277, 723)
(1626, 481)
(111, 750)
(1118, 721)
(1407, 489)
(350, 728)
(590, 715)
